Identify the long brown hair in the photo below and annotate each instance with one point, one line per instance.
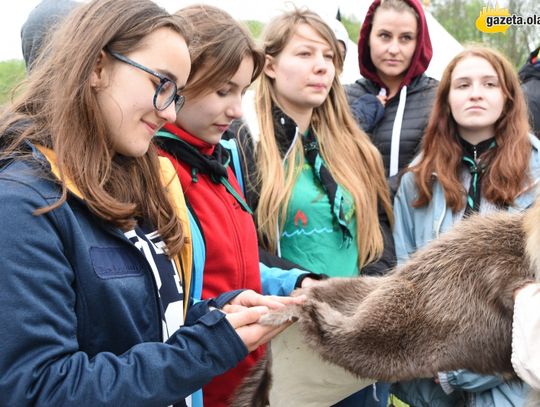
(218, 44)
(64, 115)
(507, 173)
(351, 157)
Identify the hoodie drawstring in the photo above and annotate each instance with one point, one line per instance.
(396, 132)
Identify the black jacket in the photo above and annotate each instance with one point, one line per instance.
(285, 129)
(530, 78)
(420, 97)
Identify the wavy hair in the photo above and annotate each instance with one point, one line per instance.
(507, 174)
(63, 114)
(351, 157)
(218, 44)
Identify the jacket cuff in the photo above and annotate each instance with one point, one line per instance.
(200, 308)
(444, 382)
(313, 276)
(216, 341)
(223, 299)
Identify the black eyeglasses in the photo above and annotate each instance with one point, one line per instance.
(166, 92)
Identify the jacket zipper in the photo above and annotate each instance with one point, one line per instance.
(238, 253)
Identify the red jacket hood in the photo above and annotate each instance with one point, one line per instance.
(421, 57)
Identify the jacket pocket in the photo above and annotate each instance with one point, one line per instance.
(115, 262)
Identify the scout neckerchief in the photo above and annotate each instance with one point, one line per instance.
(333, 190)
(477, 167)
(214, 165)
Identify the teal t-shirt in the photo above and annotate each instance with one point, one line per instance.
(311, 236)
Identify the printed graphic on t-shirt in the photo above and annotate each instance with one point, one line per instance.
(168, 284)
(166, 276)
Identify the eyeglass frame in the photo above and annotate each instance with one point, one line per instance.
(178, 100)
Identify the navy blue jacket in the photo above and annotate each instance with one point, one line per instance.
(80, 321)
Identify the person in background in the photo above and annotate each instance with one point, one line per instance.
(322, 198)
(95, 239)
(225, 61)
(477, 157)
(529, 75)
(40, 23)
(341, 34)
(393, 99)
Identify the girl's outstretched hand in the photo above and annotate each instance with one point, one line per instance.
(244, 311)
(250, 298)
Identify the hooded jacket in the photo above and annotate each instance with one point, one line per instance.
(81, 322)
(406, 114)
(42, 19)
(529, 75)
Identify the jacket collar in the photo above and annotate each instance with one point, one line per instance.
(527, 196)
(202, 146)
(418, 84)
(285, 130)
(50, 156)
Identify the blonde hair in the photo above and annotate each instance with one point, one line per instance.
(350, 156)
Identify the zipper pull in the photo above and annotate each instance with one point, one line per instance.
(475, 157)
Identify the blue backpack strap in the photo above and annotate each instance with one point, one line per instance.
(199, 257)
(232, 147)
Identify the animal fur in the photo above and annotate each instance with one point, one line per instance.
(449, 307)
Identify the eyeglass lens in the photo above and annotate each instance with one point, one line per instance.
(165, 94)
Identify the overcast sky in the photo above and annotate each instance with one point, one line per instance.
(13, 13)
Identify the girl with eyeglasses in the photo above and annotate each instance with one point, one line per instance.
(95, 239)
(225, 61)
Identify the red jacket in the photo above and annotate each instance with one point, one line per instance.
(232, 259)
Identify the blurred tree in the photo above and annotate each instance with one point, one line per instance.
(255, 27)
(11, 74)
(458, 17)
(353, 27)
(350, 22)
